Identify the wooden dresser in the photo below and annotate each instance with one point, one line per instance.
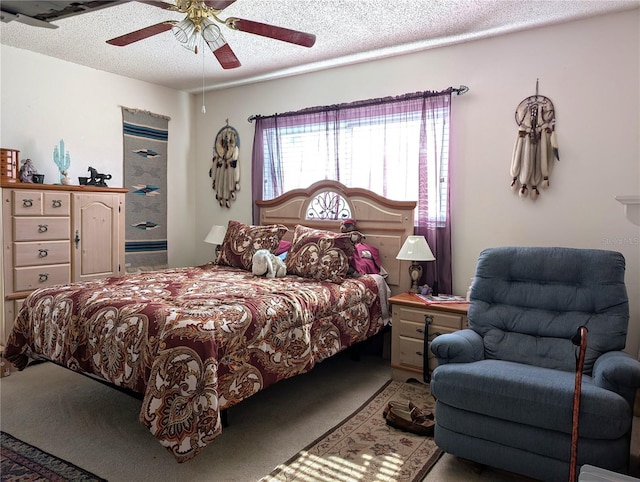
(412, 320)
(54, 234)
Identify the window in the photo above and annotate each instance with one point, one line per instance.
(397, 147)
(399, 153)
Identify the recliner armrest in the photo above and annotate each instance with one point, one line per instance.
(463, 346)
(619, 372)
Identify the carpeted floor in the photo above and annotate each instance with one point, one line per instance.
(96, 427)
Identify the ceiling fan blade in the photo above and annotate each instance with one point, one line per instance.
(219, 4)
(141, 34)
(226, 57)
(271, 31)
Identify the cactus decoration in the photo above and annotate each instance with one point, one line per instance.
(62, 159)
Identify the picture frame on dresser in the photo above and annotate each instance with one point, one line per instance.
(57, 234)
(414, 325)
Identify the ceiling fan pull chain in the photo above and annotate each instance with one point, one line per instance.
(204, 109)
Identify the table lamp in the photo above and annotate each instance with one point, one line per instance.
(216, 236)
(415, 249)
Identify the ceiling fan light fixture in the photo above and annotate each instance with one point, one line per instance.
(210, 31)
(186, 34)
(212, 36)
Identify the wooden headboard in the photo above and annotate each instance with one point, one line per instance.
(323, 205)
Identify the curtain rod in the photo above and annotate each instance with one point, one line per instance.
(463, 89)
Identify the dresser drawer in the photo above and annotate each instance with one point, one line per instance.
(27, 203)
(31, 253)
(36, 229)
(56, 204)
(411, 352)
(35, 277)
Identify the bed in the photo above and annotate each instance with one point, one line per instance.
(195, 341)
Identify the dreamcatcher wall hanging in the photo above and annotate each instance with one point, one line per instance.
(536, 145)
(225, 169)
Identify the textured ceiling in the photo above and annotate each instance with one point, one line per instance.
(347, 31)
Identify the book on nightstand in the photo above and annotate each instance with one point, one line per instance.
(440, 299)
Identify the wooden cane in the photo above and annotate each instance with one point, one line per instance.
(580, 339)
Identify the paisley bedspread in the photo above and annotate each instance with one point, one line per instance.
(196, 340)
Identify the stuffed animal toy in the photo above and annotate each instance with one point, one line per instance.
(265, 262)
(348, 225)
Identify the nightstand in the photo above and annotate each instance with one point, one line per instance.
(412, 320)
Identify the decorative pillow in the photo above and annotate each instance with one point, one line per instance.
(366, 259)
(320, 255)
(242, 241)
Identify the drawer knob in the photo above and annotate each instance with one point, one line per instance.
(43, 228)
(419, 353)
(57, 203)
(27, 203)
(419, 330)
(43, 277)
(43, 253)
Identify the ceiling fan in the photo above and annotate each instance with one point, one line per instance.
(201, 18)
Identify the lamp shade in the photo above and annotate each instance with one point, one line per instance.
(216, 234)
(416, 248)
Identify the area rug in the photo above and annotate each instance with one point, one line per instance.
(20, 461)
(363, 447)
(145, 175)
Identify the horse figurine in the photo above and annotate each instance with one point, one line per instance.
(97, 179)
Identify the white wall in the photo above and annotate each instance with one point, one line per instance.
(45, 100)
(590, 70)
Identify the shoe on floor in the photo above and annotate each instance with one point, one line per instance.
(417, 413)
(402, 420)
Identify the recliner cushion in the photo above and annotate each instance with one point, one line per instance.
(527, 303)
(531, 395)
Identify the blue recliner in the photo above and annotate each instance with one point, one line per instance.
(504, 386)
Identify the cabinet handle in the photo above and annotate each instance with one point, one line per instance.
(77, 239)
(43, 228)
(419, 330)
(43, 277)
(419, 353)
(43, 253)
(27, 203)
(57, 203)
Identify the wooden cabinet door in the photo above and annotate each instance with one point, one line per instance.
(96, 247)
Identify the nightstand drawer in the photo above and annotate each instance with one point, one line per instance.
(435, 330)
(445, 320)
(411, 329)
(411, 352)
(408, 314)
